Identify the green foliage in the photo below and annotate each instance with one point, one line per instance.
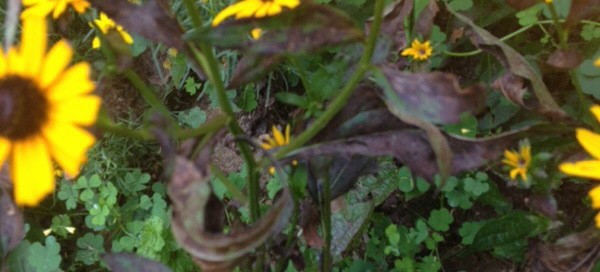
(193, 117)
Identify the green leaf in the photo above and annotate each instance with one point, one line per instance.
(503, 231)
(440, 220)
(475, 187)
(87, 195)
(193, 117)
(94, 181)
(60, 224)
(133, 182)
(45, 257)
(247, 101)
(191, 86)
(273, 186)
(468, 230)
(68, 194)
(461, 5)
(529, 16)
(91, 246)
(429, 264)
(292, 99)
(17, 259)
(151, 238)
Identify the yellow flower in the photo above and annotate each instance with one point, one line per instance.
(254, 8)
(41, 8)
(256, 33)
(548, 1)
(591, 143)
(519, 162)
(277, 140)
(418, 50)
(597, 62)
(43, 104)
(106, 24)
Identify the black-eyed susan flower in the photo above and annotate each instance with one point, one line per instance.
(254, 8)
(105, 25)
(590, 141)
(277, 139)
(518, 162)
(418, 51)
(43, 104)
(42, 8)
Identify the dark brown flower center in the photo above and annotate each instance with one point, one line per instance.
(23, 108)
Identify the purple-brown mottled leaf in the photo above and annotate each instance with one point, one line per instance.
(392, 35)
(436, 97)
(582, 9)
(11, 224)
(577, 250)
(520, 78)
(125, 262)
(307, 28)
(564, 59)
(152, 20)
(197, 213)
(424, 23)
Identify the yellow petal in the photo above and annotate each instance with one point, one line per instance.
(3, 64)
(585, 169)
(4, 149)
(251, 7)
(126, 37)
(40, 10)
(514, 173)
(596, 112)
(589, 141)
(287, 134)
(288, 3)
(80, 6)
(594, 194)
(96, 43)
(55, 63)
(263, 11)
(31, 171)
(228, 12)
(31, 2)
(274, 10)
(511, 156)
(68, 145)
(73, 82)
(278, 136)
(597, 62)
(15, 64)
(59, 9)
(597, 219)
(33, 44)
(82, 110)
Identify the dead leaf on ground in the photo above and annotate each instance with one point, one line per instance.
(392, 35)
(424, 23)
(576, 252)
(581, 10)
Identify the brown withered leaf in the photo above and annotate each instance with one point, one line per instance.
(308, 28)
(424, 23)
(582, 9)
(520, 69)
(126, 262)
(521, 4)
(194, 216)
(564, 59)
(11, 224)
(152, 20)
(392, 35)
(576, 252)
(412, 147)
(544, 204)
(436, 97)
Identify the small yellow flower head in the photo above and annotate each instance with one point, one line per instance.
(42, 8)
(277, 139)
(45, 102)
(548, 1)
(254, 8)
(256, 33)
(418, 51)
(518, 162)
(590, 141)
(597, 62)
(106, 24)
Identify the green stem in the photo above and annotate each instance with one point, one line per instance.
(339, 102)
(326, 222)
(560, 31)
(147, 93)
(193, 13)
(235, 192)
(505, 38)
(206, 59)
(585, 103)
